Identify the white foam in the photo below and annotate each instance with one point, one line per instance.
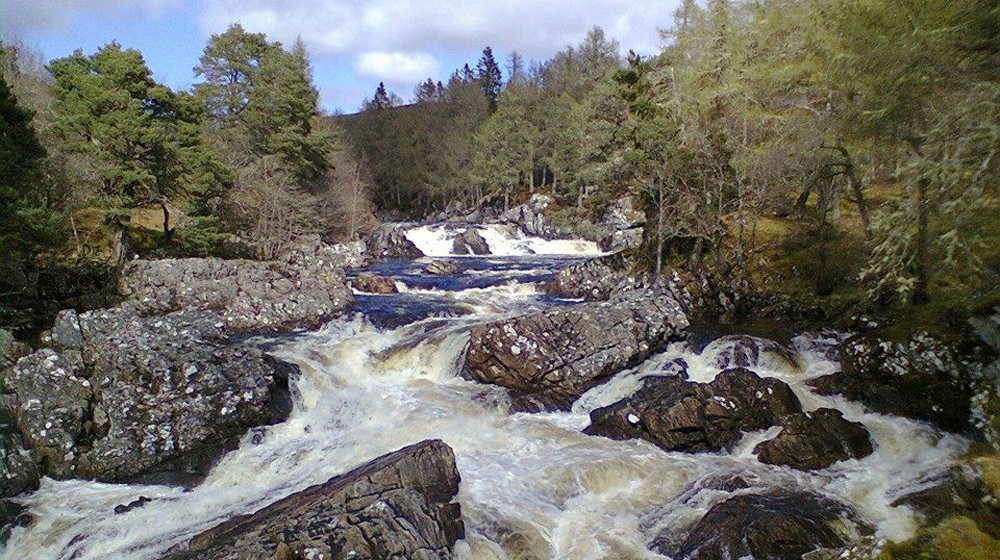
(503, 241)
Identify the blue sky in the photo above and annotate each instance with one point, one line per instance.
(354, 44)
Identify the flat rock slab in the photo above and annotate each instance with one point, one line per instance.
(679, 415)
(397, 507)
(304, 288)
(554, 356)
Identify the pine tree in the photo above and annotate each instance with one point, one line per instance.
(143, 141)
(229, 66)
(489, 76)
(279, 114)
(381, 100)
(28, 224)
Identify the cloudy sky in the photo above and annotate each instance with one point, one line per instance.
(354, 43)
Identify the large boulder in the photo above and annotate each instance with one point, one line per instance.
(624, 221)
(18, 473)
(916, 376)
(530, 216)
(470, 242)
(389, 241)
(399, 506)
(593, 279)
(766, 527)
(551, 357)
(741, 351)
(441, 267)
(374, 284)
(679, 415)
(816, 440)
(303, 289)
(122, 397)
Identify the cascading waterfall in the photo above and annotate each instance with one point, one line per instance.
(533, 485)
(503, 241)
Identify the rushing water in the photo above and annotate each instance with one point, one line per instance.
(533, 486)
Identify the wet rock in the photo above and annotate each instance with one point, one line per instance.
(134, 504)
(679, 415)
(444, 266)
(593, 279)
(816, 440)
(304, 288)
(18, 474)
(560, 353)
(399, 506)
(374, 284)
(765, 527)
(154, 399)
(471, 242)
(388, 241)
(748, 352)
(917, 377)
(960, 490)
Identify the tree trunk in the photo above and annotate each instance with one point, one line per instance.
(659, 233)
(800, 204)
(920, 289)
(694, 260)
(531, 171)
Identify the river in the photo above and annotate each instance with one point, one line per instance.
(533, 486)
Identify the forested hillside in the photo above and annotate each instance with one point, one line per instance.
(103, 163)
(843, 149)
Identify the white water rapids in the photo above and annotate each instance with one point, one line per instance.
(533, 486)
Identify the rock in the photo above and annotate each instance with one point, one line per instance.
(816, 440)
(444, 266)
(624, 221)
(559, 353)
(622, 240)
(132, 398)
(765, 527)
(678, 415)
(740, 351)
(593, 279)
(389, 241)
(917, 377)
(472, 242)
(960, 490)
(529, 217)
(374, 284)
(305, 288)
(11, 350)
(399, 506)
(134, 504)
(18, 474)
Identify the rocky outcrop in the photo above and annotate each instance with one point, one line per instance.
(740, 351)
(679, 415)
(916, 376)
(530, 216)
(470, 242)
(624, 221)
(397, 507)
(816, 440)
(554, 356)
(304, 288)
(374, 284)
(389, 241)
(765, 527)
(120, 397)
(443, 266)
(593, 279)
(18, 473)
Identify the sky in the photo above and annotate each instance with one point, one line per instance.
(354, 44)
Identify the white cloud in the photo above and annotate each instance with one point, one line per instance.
(351, 27)
(398, 68)
(21, 17)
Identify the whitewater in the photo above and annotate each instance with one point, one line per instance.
(533, 485)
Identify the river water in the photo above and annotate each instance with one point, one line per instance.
(533, 486)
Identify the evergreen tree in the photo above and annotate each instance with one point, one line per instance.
(28, 223)
(229, 66)
(489, 76)
(143, 141)
(381, 100)
(279, 114)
